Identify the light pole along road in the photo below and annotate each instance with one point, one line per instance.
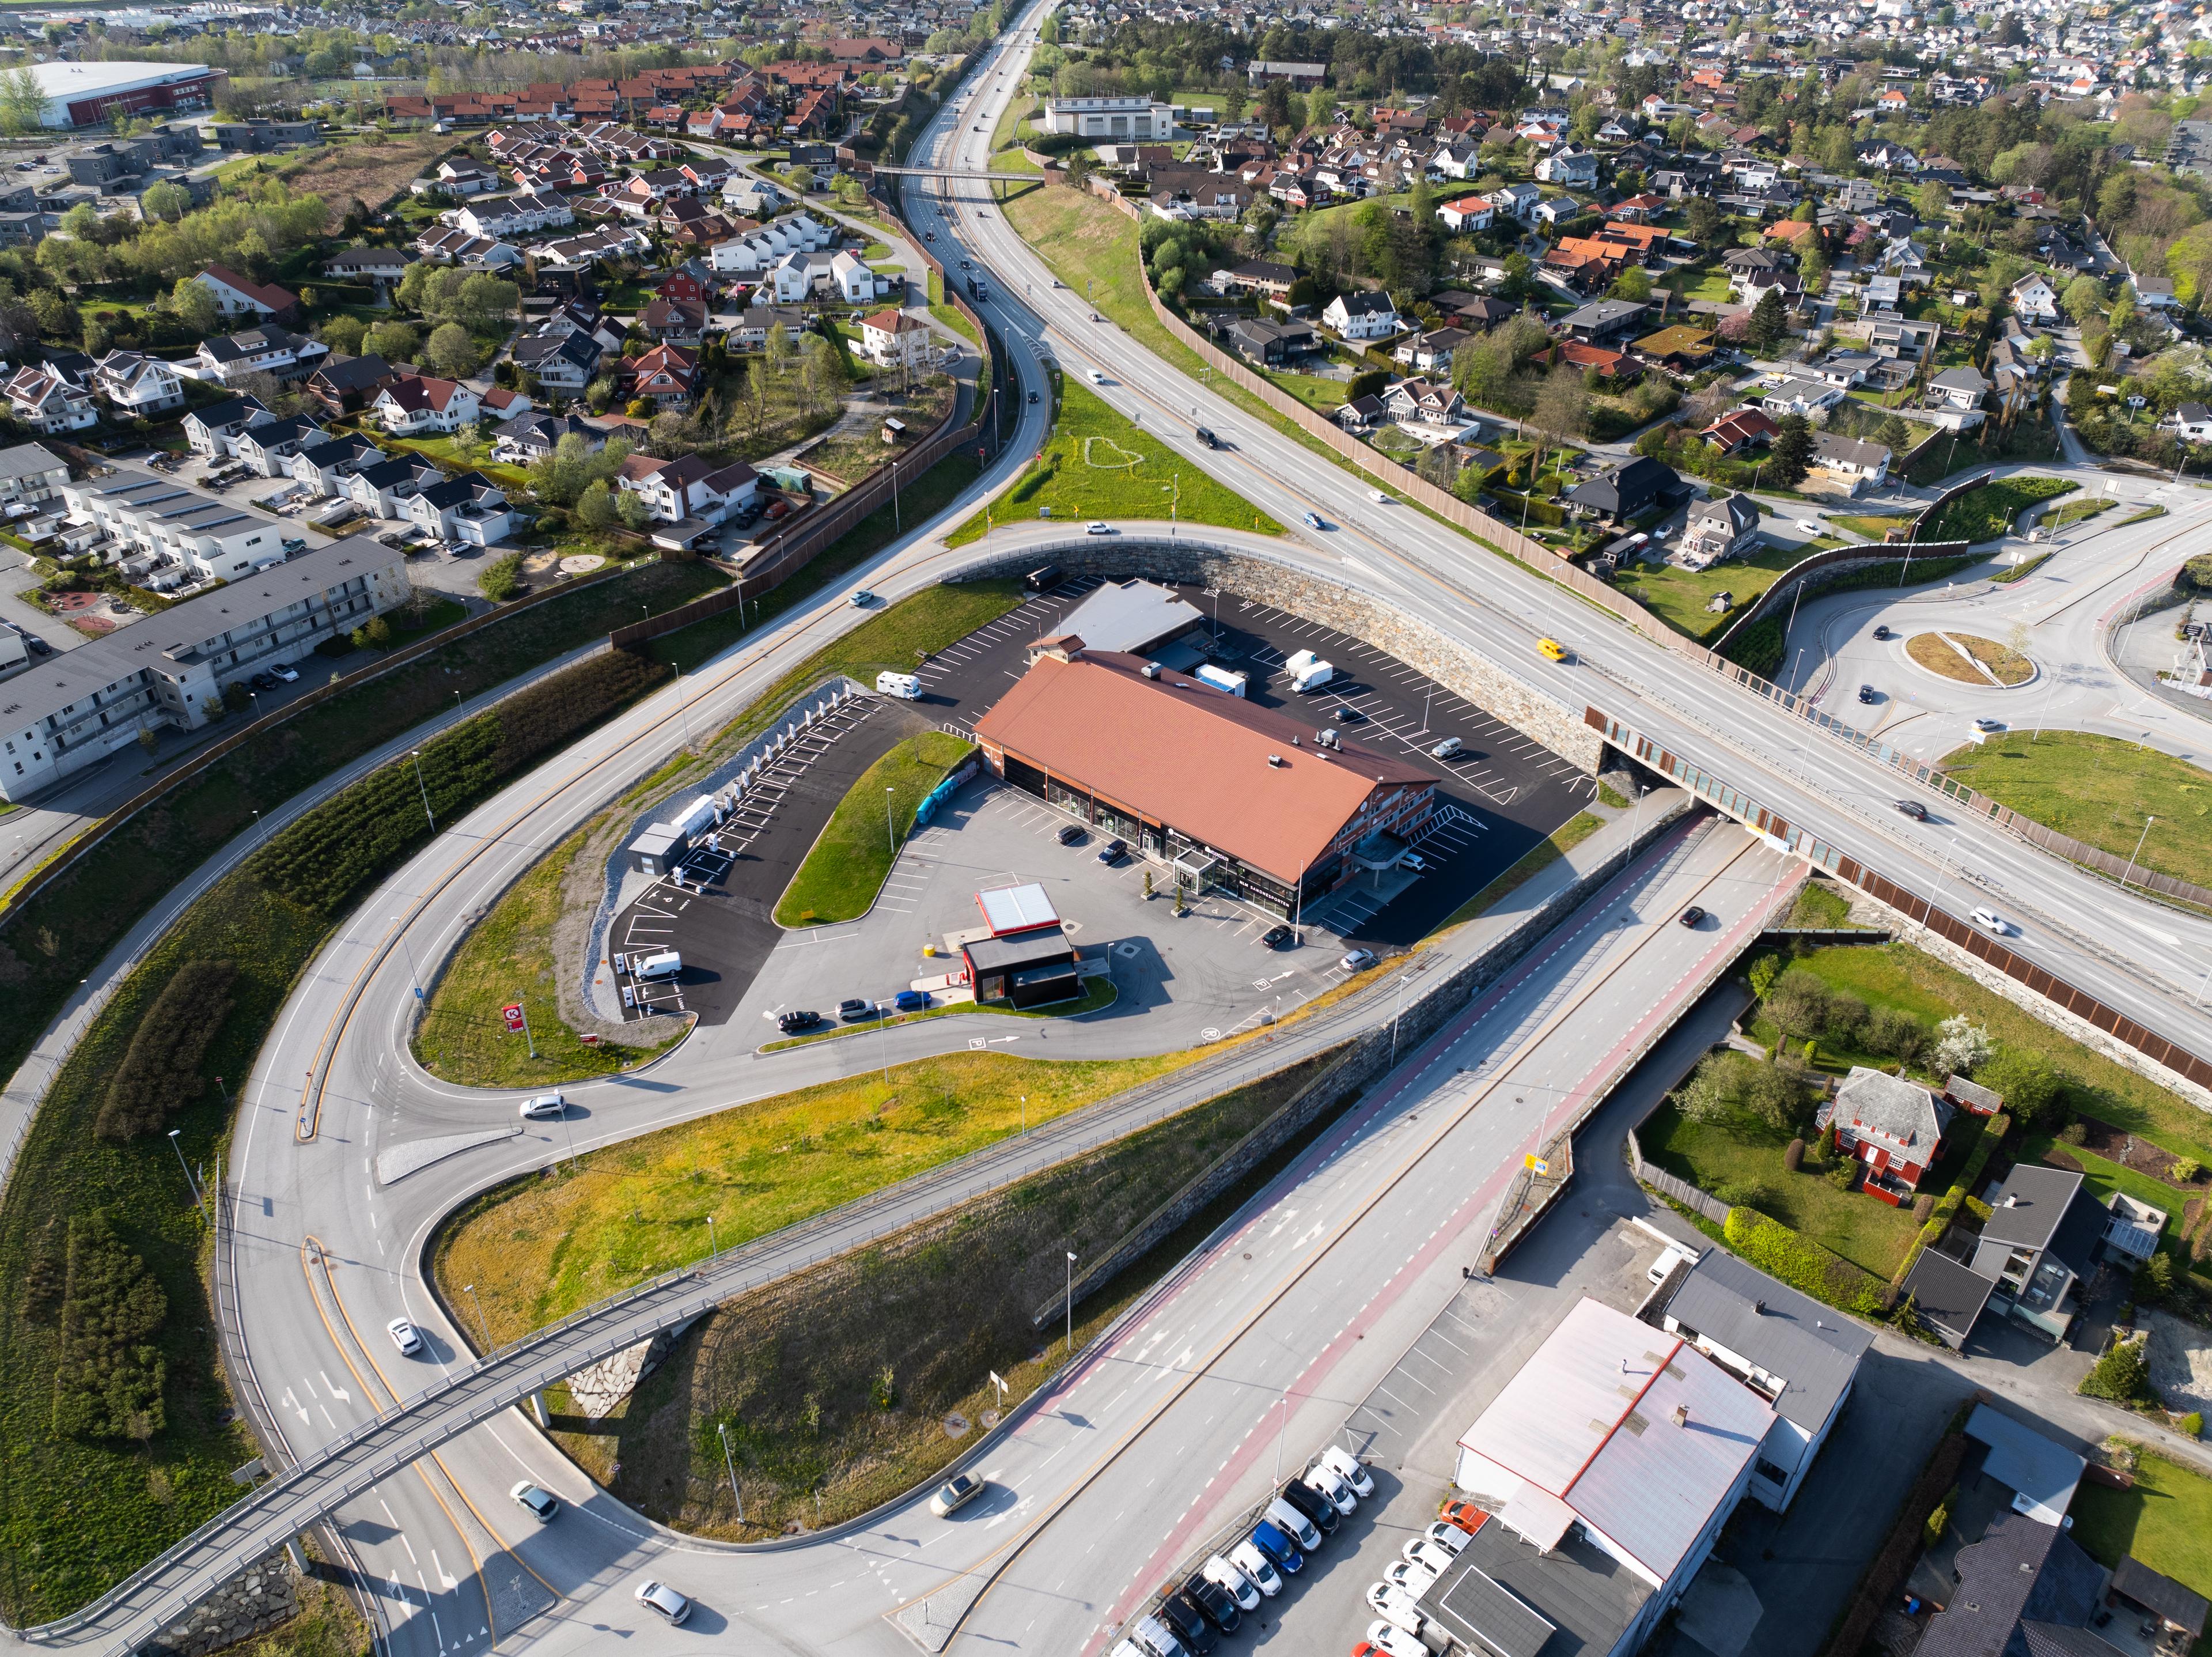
(324, 1253)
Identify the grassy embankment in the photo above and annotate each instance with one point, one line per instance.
(846, 866)
(1097, 464)
(859, 1378)
(2101, 789)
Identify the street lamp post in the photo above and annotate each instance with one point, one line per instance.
(1070, 1303)
(408, 951)
(190, 1184)
(2140, 838)
(891, 839)
(1943, 875)
(470, 1289)
(418, 755)
(730, 1463)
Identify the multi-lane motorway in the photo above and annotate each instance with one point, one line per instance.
(1164, 1427)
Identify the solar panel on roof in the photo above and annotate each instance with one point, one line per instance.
(1501, 1619)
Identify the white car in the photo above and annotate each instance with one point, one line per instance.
(955, 1492)
(1412, 860)
(1256, 1567)
(1233, 1582)
(1810, 526)
(1095, 527)
(1323, 1482)
(1393, 1642)
(1447, 1536)
(544, 1105)
(1670, 1256)
(1388, 1599)
(404, 1336)
(1993, 924)
(285, 671)
(1338, 1459)
(1415, 1579)
(1357, 960)
(863, 599)
(660, 1596)
(542, 1504)
(1097, 378)
(1380, 496)
(1430, 1557)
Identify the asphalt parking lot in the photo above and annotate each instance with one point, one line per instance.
(719, 915)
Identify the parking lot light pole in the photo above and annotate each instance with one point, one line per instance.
(417, 753)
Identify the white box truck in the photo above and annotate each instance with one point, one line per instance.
(1222, 678)
(904, 687)
(666, 965)
(1308, 671)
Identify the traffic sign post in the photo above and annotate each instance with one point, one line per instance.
(518, 1022)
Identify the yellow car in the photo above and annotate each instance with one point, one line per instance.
(1551, 649)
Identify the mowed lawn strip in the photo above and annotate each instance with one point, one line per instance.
(2165, 1522)
(542, 1247)
(846, 866)
(462, 1036)
(2102, 790)
(1097, 465)
(1679, 597)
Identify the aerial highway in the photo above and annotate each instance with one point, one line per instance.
(323, 1249)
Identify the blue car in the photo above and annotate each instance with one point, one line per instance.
(911, 1001)
(1279, 1548)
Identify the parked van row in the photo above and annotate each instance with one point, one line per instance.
(1213, 1601)
(1401, 1629)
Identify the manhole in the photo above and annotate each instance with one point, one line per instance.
(988, 1420)
(956, 1425)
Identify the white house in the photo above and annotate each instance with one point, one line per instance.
(417, 404)
(691, 488)
(891, 337)
(1118, 117)
(1362, 316)
(1722, 527)
(1516, 201)
(229, 358)
(138, 386)
(1811, 398)
(268, 447)
(855, 281)
(1862, 463)
(213, 432)
(48, 400)
(789, 279)
(167, 533)
(1467, 213)
(2034, 299)
(2192, 423)
(501, 217)
(1571, 166)
(465, 508)
(237, 295)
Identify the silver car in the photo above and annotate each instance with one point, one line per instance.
(660, 1596)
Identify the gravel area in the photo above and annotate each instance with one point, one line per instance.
(2180, 1361)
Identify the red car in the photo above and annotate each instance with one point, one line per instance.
(1465, 1514)
(779, 510)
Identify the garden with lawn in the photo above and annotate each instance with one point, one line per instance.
(2163, 1519)
(1098, 466)
(2101, 789)
(1680, 596)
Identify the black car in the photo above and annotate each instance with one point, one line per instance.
(1112, 850)
(39, 646)
(1313, 1504)
(1070, 833)
(798, 1020)
(1207, 438)
(1274, 937)
(1214, 1601)
(1187, 1620)
(854, 1008)
(1033, 397)
(1865, 693)
(264, 682)
(1692, 916)
(1913, 809)
(1881, 632)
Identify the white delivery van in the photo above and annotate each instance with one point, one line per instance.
(1308, 671)
(905, 686)
(1222, 678)
(666, 965)
(1287, 1519)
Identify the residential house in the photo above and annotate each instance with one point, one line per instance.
(346, 385)
(1422, 403)
(369, 264)
(500, 218)
(1961, 388)
(1571, 166)
(756, 321)
(664, 376)
(2034, 299)
(1791, 1350)
(48, 401)
(559, 362)
(1865, 465)
(1627, 490)
(675, 321)
(415, 405)
(1602, 320)
(2156, 293)
(1361, 414)
(213, 432)
(534, 436)
(1362, 316)
(31, 477)
(1466, 214)
(466, 509)
(689, 489)
(1893, 1126)
(383, 487)
(1271, 344)
(2192, 423)
(323, 468)
(1723, 526)
(270, 446)
(892, 338)
(229, 358)
(237, 295)
(448, 244)
(138, 385)
(1740, 430)
(1257, 275)
(1791, 394)
(1516, 201)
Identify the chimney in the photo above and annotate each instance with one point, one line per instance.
(1681, 1415)
(1759, 1308)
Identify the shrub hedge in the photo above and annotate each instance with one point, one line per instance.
(161, 1068)
(108, 1383)
(1803, 1264)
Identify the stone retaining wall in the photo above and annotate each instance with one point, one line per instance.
(1488, 684)
(264, 1594)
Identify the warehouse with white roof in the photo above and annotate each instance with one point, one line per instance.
(90, 95)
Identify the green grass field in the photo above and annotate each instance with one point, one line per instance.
(1098, 465)
(1873, 527)
(2166, 1521)
(463, 1037)
(1679, 596)
(539, 1249)
(1990, 511)
(2101, 789)
(846, 866)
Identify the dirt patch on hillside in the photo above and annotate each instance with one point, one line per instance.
(374, 170)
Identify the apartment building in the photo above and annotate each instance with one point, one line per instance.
(164, 534)
(76, 708)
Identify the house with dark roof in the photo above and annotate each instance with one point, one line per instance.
(213, 432)
(1892, 1125)
(1633, 487)
(1720, 527)
(2040, 1240)
(1801, 1357)
(1602, 320)
(345, 385)
(2024, 1588)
